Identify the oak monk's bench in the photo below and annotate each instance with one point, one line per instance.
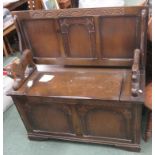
(82, 74)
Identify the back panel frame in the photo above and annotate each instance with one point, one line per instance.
(84, 37)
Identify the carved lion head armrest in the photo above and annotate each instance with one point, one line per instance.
(22, 69)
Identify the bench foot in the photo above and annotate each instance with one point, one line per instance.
(44, 137)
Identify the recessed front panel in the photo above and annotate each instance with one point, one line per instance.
(106, 119)
(50, 117)
(54, 119)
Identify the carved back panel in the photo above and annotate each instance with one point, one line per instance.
(86, 37)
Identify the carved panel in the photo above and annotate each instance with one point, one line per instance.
(94, 121)
(52, 118)
(77, 12)
(78, 37)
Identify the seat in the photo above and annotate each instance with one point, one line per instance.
(76, 83)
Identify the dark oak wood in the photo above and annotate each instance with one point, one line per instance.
(96, 57)
(93, 25)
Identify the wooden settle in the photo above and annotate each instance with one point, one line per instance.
(95, 59)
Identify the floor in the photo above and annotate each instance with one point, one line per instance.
(17, 143)
(7, 82)
(11, 57)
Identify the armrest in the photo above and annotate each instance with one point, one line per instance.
(136, 73)
(22, 69)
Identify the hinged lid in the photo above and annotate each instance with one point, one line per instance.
(79, 83)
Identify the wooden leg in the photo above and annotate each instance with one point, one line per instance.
(5, 49)
(148, 129)
(8, 44)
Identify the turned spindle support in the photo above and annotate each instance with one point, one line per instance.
(136, 73)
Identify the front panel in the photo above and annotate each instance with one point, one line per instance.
(87, 119)
(107, 120)
(40, 115)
